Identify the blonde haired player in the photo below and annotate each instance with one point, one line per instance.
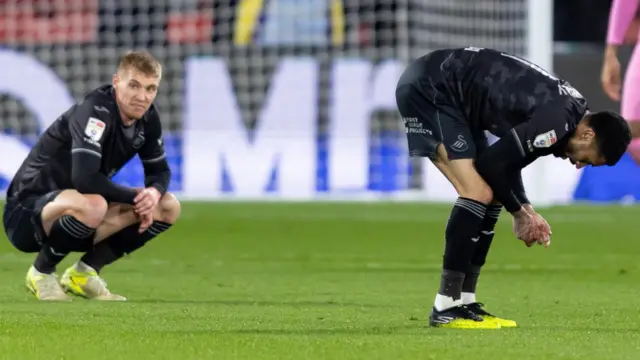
(62, 198)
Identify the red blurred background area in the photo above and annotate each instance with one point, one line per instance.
(78, 21)
(48, 21)
(190, 26)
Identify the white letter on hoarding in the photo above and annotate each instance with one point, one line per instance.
(384, 98)
(348, 135)
(215, 136)
(356, 95)
(39, 90)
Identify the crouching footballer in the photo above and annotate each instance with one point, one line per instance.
(62, 199)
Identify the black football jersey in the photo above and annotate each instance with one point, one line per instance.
(498, 91)
(93, 128)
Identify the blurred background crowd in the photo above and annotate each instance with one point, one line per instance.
(306, 22)
(80, 41)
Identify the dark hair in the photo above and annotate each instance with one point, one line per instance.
(612, 134)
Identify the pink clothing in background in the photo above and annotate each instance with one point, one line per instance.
(620, 17)
(622, 14)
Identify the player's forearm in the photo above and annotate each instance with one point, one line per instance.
(493, 174)
(495, 165)
(87, 179)
(157, 175)
(159, 181)
(515, 181)
(620, 17)
(611, 50)
(102, 185)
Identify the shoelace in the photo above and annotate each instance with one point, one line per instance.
(470, 314)
(478, 307)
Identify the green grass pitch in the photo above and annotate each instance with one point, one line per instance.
(340, 282)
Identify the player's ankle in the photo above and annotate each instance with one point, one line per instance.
(443, 302)
(84, 267)
(38, 269)
(45, 263)
(471, 278)
(468, 298)
(44, 270)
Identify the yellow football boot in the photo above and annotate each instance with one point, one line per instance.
(82, 280)
(45, 286)
(460, 317)
(478, 309)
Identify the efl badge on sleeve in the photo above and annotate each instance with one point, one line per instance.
(95, 129)
(545, 140)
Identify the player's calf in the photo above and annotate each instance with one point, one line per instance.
(69, 223)
(463, 227)
(485, 238)
(117, 236)
(127, 239)
(461, 237)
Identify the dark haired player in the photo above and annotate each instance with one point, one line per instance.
(448, 99)
(62, 199)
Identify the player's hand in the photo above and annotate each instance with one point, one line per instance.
(545, 230)
(145, 222)
(543, 236)
(523, 227)
(540, 231)
(610, 77)
(146, 201)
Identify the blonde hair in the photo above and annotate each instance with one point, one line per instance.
(141, 61)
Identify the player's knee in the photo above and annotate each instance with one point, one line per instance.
(468, 183)
(170, 209)
(479, 192)
(91, 210)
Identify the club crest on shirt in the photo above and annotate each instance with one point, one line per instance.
(95, 129)
(138, 141)
(545, 140)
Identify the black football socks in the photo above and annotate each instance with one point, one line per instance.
(121, 243)
(461, 238)
(482, 250)
(67, 234)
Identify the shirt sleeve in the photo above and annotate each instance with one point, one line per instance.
(516, 183)
(87, 131)
(154, 158)
(620, 17)
(500, 163)
(548, 125)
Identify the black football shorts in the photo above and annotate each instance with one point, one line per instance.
(430, 117)
(23, 221)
